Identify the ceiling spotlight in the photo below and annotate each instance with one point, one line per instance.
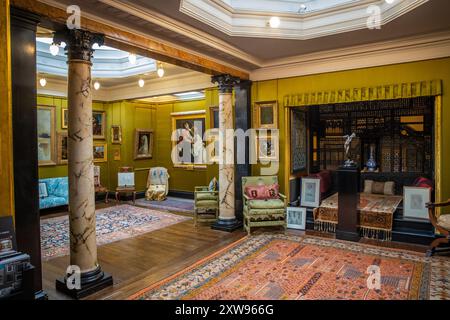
(54, 49)
(303, 8)
(43, 82)
(160, 70)
(390, 1)
(141, 83)
(97, 85)
(274, 22)
(132, 58)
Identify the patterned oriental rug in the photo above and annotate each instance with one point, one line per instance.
(113, 224)
(376, 215)
(170, 204)
(280, 267)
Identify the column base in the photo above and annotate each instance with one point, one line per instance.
(347, 236)
(227, 225)
(91, 282)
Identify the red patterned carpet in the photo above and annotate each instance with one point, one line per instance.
(278, 267)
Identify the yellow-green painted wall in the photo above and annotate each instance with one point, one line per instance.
(407, 72)
(133, 115)
(6, 153)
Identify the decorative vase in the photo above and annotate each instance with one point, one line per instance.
(371, 163)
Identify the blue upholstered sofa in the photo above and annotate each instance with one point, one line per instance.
(58, 193)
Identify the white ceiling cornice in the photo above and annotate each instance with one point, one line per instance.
(404, 50)
(338, 19)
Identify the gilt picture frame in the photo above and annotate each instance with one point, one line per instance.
(266, 115)
(100, 152)
(143, 144)
(46, 136)
(62, 147)
(64, 118)
(99, 125)
(116, 134)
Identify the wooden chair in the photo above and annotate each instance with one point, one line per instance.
(442, 224)
(125, 186)
(97, 184)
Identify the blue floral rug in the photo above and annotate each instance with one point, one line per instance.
(113, 224)
(170, 204)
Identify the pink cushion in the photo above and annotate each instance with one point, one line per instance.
(273, 191)
(263, 192)
(325, 180)
(423, 183)
(256, 192)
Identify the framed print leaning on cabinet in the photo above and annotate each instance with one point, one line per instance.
(310, 195)
(414, 202)
(296, 218)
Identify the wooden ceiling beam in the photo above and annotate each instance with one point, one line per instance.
(132, 42)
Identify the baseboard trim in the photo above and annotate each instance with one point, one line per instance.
(181, 194)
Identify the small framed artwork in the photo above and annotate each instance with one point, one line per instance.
(266, 115)
(64, 118)
(125, 179)
(100, 152)
(214, 115)
(116, 134)
(143, 144)
(98, 124)
(267, 146)
(212, 146)
(310, 194)
(116, 154)
(46, 136)
(414, 202)
(62, 148)
(296, 218)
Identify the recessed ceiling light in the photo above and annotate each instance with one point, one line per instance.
(390, 1)
(274, 22)
(97, 85)
(54, 49)
(43, 82)
(141, 83)
(132, 58)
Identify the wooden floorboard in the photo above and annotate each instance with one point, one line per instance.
(138, 262)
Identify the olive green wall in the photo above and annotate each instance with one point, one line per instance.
(408, 72)
(133, 115)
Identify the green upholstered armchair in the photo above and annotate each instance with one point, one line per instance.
(263, 213)
(206, 205)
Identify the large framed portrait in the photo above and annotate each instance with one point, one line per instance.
(116, 134)
(266, 115)
(46, 135)
(296, 218)
(62, 147)
(143, 144)
(414, 202)
(310, 193)
(64, 118)
(98, 124)
(189, 149)
(100, 152)
(267, 145)
(299, 141)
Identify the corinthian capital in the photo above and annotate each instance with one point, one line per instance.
(79, 43)
(226, 82)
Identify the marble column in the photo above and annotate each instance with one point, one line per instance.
(83, 245)
(227, 215)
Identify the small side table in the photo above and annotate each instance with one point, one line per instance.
(125, 190)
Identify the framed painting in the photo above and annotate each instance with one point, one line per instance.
(116, 154)
(296, 218)
(212, 147)
(143, 144)
(188, 147)
(299, 141)
(62, 148)
(266, 115)
(267, 146)
(214, 116)
(98, 124)
(310, 193)
(116, 134)
(414, 202)
(46, 135)
(100, 152)
(64, 118)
